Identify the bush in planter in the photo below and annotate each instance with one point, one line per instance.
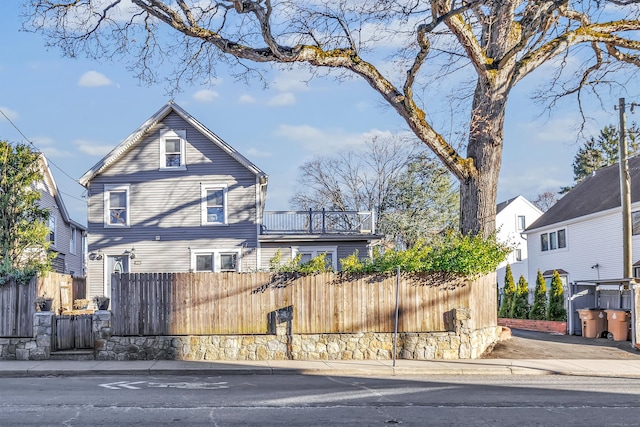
(81, 304)
(539, 308)
(520, 302)
(508, 292)
(44, 303)
(556, 299)
(101, 301)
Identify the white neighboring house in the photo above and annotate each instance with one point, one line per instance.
(581, 238)
(581, 235)
(512, 218)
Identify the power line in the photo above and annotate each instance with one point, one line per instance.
(37, 148)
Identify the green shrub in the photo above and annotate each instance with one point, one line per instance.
(317, 264)
(508, 292)
(520, 303)
(556, 299)
(454, 253)
(539, 308)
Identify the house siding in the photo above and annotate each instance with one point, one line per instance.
(165, 209)
(591, 241)
(66, 262)
(509, 233)
(344, 249)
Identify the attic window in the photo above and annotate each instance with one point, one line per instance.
(172, 150)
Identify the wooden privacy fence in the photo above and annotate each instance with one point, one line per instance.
(17, 302)
(17, 305)
(240, 303)
(63, 288)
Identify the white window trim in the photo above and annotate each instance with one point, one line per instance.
(171, 133)
(203, 204)
(519, 226)
(315, 250)
(73, 240)
(108, 189)
(215, 253)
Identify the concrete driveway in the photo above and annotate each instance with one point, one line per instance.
(542, 345)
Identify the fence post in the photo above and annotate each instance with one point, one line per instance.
(310, 221)
(395, 324)
(323, 222)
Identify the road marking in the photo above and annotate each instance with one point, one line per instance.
(119, 385)
(137, 385)
(192, 386)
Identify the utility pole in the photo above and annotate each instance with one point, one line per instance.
(625, 199)
(625, 196)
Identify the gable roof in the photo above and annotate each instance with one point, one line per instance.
(597, 193)
(502, 205)
(47, 175)
(147, 126)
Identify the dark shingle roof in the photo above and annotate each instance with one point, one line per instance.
(500, 206)
(597, 193)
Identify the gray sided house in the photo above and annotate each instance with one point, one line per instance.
(174, 197)
(66, 235)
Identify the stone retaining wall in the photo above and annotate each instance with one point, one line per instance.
(37, 347)
(459, 343)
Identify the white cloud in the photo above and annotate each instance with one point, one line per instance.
(12, 115)
(254, 152)
(326, 141)
(246, 99)
(205, 95)
(294, 80)
(282, 99)
(94, 79)
(92, 148)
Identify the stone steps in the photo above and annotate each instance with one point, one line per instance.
(72, 355)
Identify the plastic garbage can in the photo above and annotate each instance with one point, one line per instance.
(594, 322)
(618, 324)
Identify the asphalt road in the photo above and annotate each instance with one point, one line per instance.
(297, 400)
(542, 345)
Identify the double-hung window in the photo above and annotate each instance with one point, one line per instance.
(214, 205)
(172, 150)
(522, 222)
(309, 252)
(52, 229)
(116, 206)
(553, 240)
(72, 241)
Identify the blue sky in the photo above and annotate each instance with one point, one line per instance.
(76, 110)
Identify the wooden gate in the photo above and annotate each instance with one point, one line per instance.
(73, 332)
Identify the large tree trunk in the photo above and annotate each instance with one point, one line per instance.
(479, 191)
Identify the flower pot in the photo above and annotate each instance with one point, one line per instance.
(44, 305)
(103, 304)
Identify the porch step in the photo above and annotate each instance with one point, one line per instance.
(72, 355)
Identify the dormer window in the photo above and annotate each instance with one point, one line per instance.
(172, 150)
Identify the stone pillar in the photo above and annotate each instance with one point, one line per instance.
(462, 317)
(101, 333)
(40, 348)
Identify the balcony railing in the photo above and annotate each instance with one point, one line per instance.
(318, 222)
